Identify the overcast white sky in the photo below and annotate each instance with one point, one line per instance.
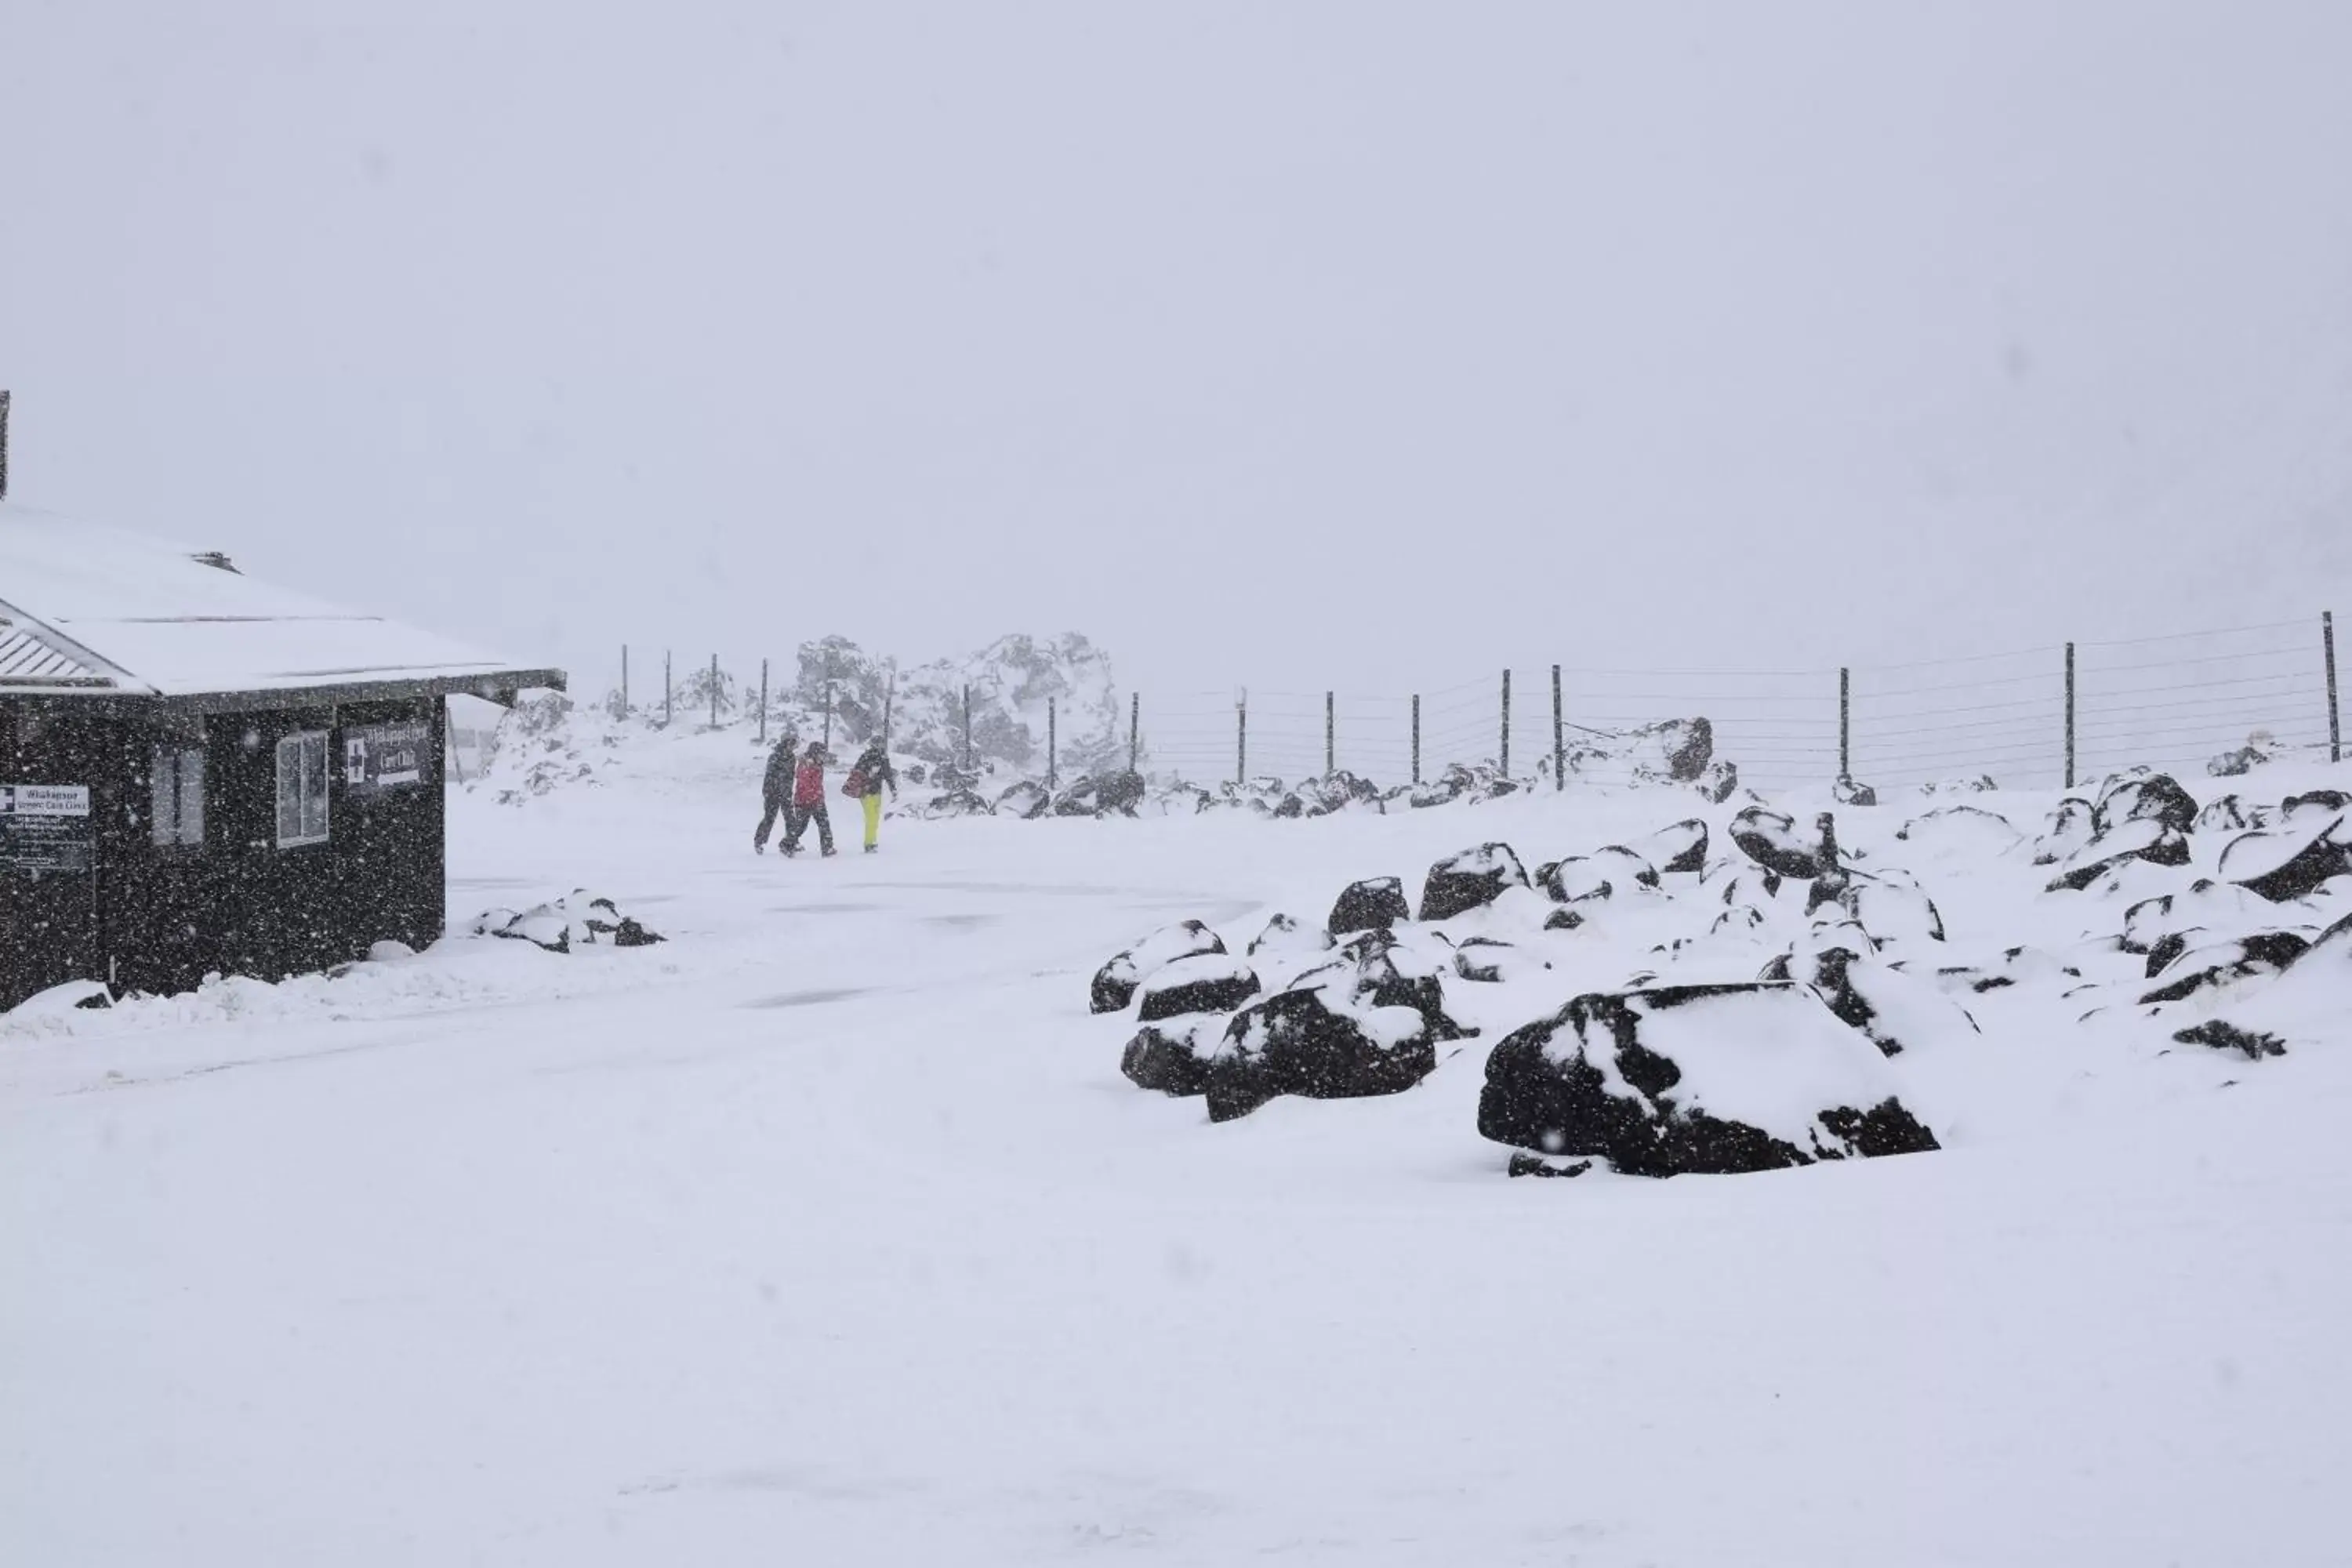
(1309, 343)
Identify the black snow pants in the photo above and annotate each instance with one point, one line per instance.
(796, 821)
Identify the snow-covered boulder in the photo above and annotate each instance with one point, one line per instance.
(2228, 813)
(2223, 964)
(1385, 969)
(1898, 1010)
(1673, 850)
(2149, 838)
(1470, 879)
(2146, 797)
(1846, 791)
(1376, 903)
(2071, 826)
(1678, 750)
(1309, 1043)
(1697, 1080)
(1337, 790)
(1105, 795)
(579, 918)
(1026, 799)
(2308, 849)
(1172, 1055)
(955, 802)
(1774, 841)
(1889, 904)
(1288, 945)
(1718, 782)
(1582, 878)
(1115, 982)
(2016, 966)
(1204, 983)
(1961, 829)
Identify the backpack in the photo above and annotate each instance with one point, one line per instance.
(854, 787)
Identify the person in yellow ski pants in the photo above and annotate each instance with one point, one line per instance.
(868, 776)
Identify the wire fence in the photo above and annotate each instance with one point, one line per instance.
(2041, 716)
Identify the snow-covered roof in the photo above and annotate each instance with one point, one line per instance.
(91, 609)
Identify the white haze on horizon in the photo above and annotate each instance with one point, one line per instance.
(1365, 345)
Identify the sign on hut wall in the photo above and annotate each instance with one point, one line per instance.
(45, 827)
(379, 757)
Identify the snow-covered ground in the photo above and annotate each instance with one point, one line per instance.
(828, 1232)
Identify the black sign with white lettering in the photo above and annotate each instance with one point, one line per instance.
(46, 828)
(378, 757)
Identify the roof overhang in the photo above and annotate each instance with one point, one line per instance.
(501, 686)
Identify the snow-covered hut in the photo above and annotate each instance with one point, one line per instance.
(201, 773)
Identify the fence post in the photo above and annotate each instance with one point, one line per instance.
(1506, 768)
(1331, 737)
(624, 682)
(889, 698)
(967, 728)
(1846, 723)
(2334, 721)
(763, 702)
(1053, 742)
(2070, 715)
(1241, 739)
(1134, 731)
(669, 693)
(714, 692)
(1416, 737)
(1558, 742)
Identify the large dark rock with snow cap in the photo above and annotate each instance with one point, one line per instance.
(1026, 799)
(1377, 969)
(1846, 791)
(1173, 1056)
(1889, 904)
(1311, 1043)
(2073, 824)
(1775, 842)
(1718, 782)
(1677, 750)
(1953, 827)
(2148, 797)
(2309, 848)
(1375, 903)
(1204, 982)
(2222, 964)
(1697, 1080)
(1676, 850)
(2147, 839)
(1580, 879)
(1115, 982)
(1337, 791)
(1896, 1010)
(1469, 880)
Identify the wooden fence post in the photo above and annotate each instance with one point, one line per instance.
(1134, 731)
(2070, 715)
(1416, 737)
(1506, 768)
(1846, 723)
(2334, 723)
(763, 702)
(1558, 741)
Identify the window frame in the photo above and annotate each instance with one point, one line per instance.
(306, 743)
(175, 776)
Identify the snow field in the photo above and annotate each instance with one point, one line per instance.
(828, 1232)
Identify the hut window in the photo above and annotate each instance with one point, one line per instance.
(178, 779)
(302, 789)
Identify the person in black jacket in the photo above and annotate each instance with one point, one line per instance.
(867, 776)
(775, 789)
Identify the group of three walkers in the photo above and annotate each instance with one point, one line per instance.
(794, 788)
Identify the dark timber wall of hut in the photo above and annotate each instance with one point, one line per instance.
(160, 917)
